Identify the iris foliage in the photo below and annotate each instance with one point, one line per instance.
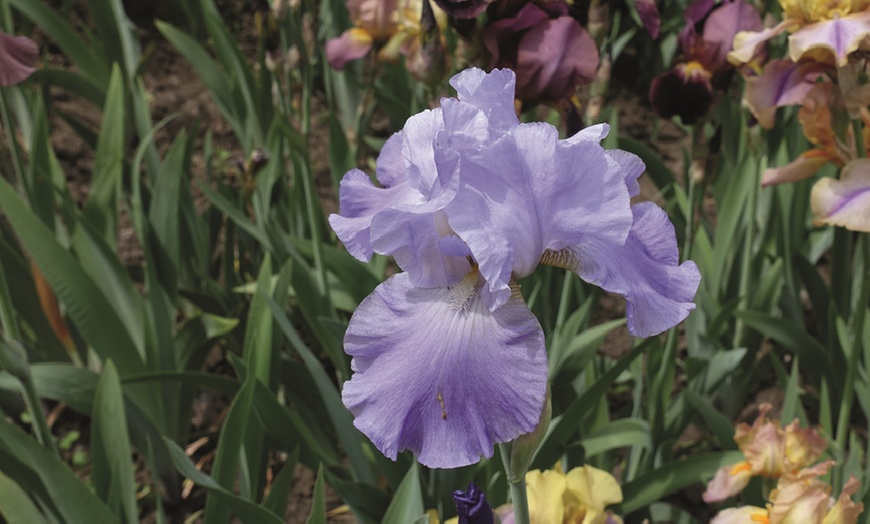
(242, 291)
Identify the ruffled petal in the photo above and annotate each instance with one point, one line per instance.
(18, 55)
(492, 93)
(740, 515)
(437, 373)
(360, 201)
(420, 177)
(839, 36)
(782, 83)
(545, 490)
(845, 510)
(804, 166)
(746, 42)
(530, 192)
(844, 202)
(645, 270)
(728, 481)
(352, 44)
(593, 489)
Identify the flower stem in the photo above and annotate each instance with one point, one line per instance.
(857, 335)
(519, 497)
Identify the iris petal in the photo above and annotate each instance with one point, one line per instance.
(838, 36)
(844, 202)
(437, 373)
(492, 93)
(530, 192)
(645, 270)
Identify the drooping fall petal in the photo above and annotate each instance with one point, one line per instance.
(844, 202)
(782, 83)
(437, 373)
(352, 44)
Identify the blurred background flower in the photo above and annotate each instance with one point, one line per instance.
(551, 53)
(687, 90)
(18, 55)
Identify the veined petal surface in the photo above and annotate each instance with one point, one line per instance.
(530, 192)
(838, 37)
(645, 270)
(492, 93)
(438, 373)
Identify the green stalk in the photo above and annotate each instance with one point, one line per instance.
(22, 373)
(519, 496)
(746, 276)
(40, 423)
(857, 333)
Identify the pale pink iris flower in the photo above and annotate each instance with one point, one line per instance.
(18, 56)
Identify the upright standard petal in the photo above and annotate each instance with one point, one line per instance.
(645, 270)
(720, 28)
(835, 38)
(530, 192)
(492, 93)
(844, 202)
(437, 373)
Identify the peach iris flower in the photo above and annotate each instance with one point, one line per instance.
(392, 24)
(770, 450)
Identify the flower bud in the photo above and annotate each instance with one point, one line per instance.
(523, 448)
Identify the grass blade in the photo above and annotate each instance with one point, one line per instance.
(110, 447)
(94, 316)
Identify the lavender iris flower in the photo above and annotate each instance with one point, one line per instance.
(447, 358)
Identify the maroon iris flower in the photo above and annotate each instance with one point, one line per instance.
(687, 89)
(549, 50)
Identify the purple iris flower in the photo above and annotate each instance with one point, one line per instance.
(447, 358)
(472, 506)
(549, 49)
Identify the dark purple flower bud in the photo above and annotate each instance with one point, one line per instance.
(684, 91)
(463, 8)
(549, 50)
(472, 506)
(649, 15)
